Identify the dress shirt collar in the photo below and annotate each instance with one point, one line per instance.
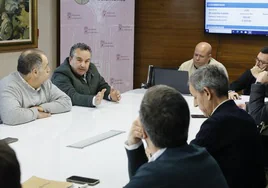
(24, 81)
(85, 77)
(157, 154)
(219, 105)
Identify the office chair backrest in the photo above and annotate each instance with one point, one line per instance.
(168, 76)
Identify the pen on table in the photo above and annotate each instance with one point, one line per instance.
(83, 186)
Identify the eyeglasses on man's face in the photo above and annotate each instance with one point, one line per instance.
(260, 61)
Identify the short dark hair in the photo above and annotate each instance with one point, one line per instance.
(165, 116)
(212, 77)
(9, 167)
(264, 50)
(28, 60)
(81, 46)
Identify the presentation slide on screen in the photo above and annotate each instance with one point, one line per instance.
(229, 16)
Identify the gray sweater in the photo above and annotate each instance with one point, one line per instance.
(18, 100)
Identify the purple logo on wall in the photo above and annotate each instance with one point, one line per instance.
(71, 16)
(122, 27)
(104, 13)
(108, 14)
(114, 81)
(88, 30)
(120, 57)
(104, 44)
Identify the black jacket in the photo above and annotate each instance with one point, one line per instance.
(80, 91)
(257, 108)
(186, 166)
(230, 135)
(243, 83)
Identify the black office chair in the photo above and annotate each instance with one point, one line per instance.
(153, 75)
(168, 76)
(149, 82)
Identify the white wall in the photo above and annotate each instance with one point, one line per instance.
(47, 24)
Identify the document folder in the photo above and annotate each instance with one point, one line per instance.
(36, 182)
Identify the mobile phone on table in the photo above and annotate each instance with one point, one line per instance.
(83, 180)
(10, 140)
(198, 116)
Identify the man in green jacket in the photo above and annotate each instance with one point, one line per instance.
(80, 79)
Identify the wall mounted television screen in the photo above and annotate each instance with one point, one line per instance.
(245, 17)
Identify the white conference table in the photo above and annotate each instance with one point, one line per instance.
(42, 151)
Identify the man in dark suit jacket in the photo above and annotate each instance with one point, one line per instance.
(80, 79)
(258, 109)
(249, 76)
(163, 125)
(229, 134)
